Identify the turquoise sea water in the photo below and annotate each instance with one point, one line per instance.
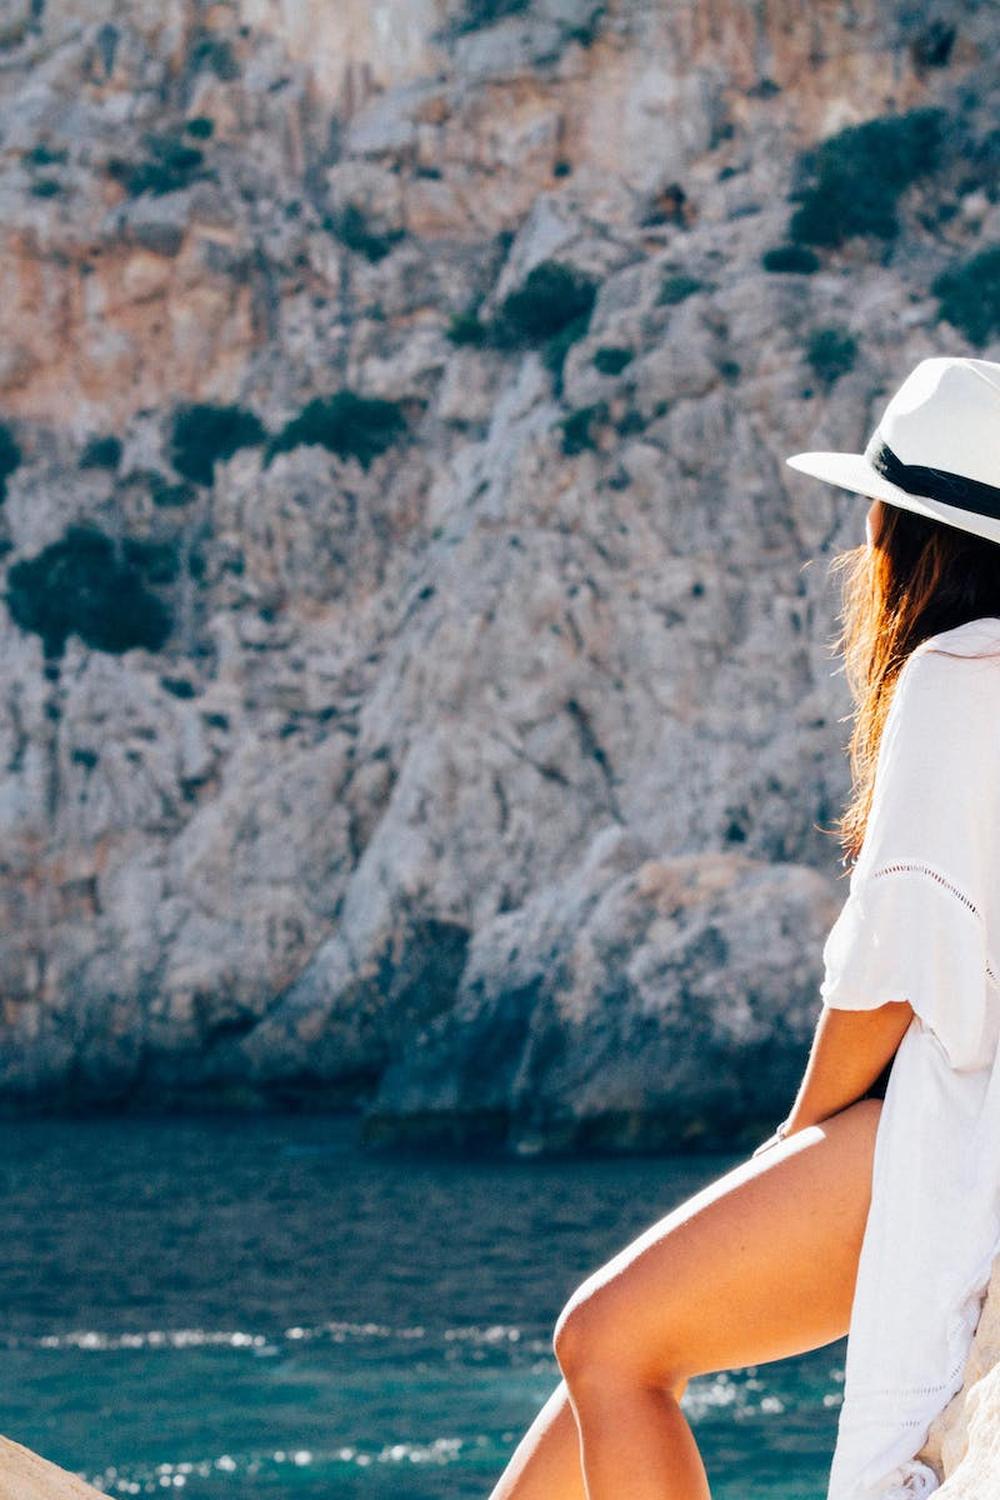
(226, 1307)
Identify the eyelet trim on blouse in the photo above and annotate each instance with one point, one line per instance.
(922, 869)
(912, 1390)
(913, 1477)
(962, 1327)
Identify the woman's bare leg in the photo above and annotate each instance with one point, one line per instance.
(546, 1464)
(759, 1265)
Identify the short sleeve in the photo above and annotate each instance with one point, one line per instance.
(915, 925)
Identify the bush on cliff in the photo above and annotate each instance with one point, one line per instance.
(970, 296)
(831, 352)
(466, 329)
(551, 310)
(548, 312)
(931, 48)
(345, 423)
(162, 492)
(42, 155)
(200, 126)
(209, 52)
(10, 457)
(101, 453)
(353, 230)
(170, 164)
(577, 433)
(203, 434)
(479, 13)
(859, 174)
(552, 298)
(611, 359)
(80, 585)
(677, 287)
(796, 259)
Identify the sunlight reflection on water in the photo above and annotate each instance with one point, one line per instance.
(239, 1308)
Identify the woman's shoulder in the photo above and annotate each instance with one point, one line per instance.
(973, 638)
(953, 663)
(946, 701)
(949, 689)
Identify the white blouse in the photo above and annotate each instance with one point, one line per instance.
(920, 923)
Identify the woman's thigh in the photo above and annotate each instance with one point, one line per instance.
(758, 1265)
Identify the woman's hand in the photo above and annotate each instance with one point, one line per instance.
(772, 1140)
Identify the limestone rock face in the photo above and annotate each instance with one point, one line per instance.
(641, 1001)
(25, 1476)
(301, 739)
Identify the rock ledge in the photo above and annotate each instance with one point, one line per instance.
(26, 1476)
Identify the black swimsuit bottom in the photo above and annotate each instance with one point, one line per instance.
(878, 1088)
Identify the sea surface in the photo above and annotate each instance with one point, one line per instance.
(256, 1307)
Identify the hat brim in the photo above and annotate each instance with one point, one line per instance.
(852, 471)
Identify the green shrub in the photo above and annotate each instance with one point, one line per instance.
(204, 434)
(479, 13)
(157, 561)
(551, 311)
(794, 258)
(676, 287)
(13, 33)
(576, 428)
(345, 423)
(555, 350)
(43, 156)
(352, 228)
(932, 48)
(162, 491)
(101, 453)
(171, 495)
(78, 586)
(46, 187)
(831, 352)
(10, 458)
(860, 173)
(201, 127)
(553, 297)
(180, 687)
(465, 328)
(980, 164)
(214, 53)
(970, 296)
(611, 360)
(170, 165)
(631, 423)
(588, 33)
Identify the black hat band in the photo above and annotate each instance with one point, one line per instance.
(935, 484)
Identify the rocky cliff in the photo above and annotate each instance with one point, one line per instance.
(26, 1476)
(417, 692)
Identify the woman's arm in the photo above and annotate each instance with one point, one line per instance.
(849, 1050)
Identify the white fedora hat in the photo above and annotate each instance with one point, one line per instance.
(936, 450)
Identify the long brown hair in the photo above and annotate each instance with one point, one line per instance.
(919, 576)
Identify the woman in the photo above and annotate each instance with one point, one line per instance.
(874, 1209)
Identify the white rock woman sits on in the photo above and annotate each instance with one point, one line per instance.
(874, 1210)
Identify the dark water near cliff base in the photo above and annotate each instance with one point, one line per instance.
(250, 1308)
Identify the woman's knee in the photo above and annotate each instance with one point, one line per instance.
(590, 1338)
(572, 1337)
